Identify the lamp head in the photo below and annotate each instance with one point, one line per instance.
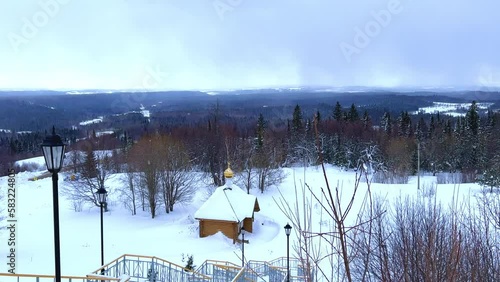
(101, 195)
(53, 152)
(288, 229)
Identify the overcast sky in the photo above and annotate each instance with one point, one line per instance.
(220, 44)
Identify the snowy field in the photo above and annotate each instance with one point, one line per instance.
(168, 236)
(451, 109)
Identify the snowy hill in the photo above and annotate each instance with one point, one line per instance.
(168, 236)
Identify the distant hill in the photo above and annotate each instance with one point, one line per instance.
(39, 110)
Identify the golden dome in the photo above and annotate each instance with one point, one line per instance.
(228, 173)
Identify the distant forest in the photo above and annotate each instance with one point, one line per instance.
(260, 131)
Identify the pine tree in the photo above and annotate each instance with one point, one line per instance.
(448, 128)
(337, 112)
(472, 119)
(297, 137)
(297, 124)
(261, 125)
(491, 176)
(89, 169)
(404, 125)
(387, 123)
(472, 146)
(353, 114)
(152, 275)
(189, 263)
(421, 129)
(490, 119)
(432, 127)
(366, 120)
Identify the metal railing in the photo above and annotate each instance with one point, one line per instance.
(219, 270)
(149, 268)
(276, 270)
(246, 275)
(152, 269)
(9, 277)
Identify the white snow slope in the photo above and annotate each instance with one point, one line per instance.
(167, 236)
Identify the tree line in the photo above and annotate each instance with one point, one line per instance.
(257, 148)
(467, 144)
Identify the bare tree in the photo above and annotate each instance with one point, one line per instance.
(76, 160)
(246, 154)
(267, 160)
(490, 204)
(95, 171)
(175, 176)
(129, 190)
(147, 160)
(300, 215)
(260, 159)
(340, 238)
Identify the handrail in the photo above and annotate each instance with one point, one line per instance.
(242, 271)
(153, 258)
(227, 266)
(221, 261)
(53, 276)
(238, 275)
(137, 256)
(99, 277)
(108, 264)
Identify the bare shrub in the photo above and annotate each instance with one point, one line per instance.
(128, 191)
(481, 254)
(449, 178)
(78, 204)
(428, 189)
(340, 239)
(371, 260)
(27, 166)
(489, 203)
(420, 240)
(469, 176)
(390, 177)
(300, 215)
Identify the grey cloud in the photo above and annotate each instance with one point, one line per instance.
(257, 43)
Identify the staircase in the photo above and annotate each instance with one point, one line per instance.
(148, 268)
(276, 270)
(8, 277)
(137, 268)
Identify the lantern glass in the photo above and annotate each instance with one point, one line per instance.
(53, 152)
(101, 195)
(288, 229)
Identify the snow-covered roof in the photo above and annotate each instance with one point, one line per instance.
(228, 203)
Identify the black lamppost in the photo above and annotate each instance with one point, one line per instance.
(53, 152)
(288, 230)
(242, 246)
(101, 197)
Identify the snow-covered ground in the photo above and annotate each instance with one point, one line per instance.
(92, 121)
(37, 162)
(145, 112)
(167, 236)
(451, 109)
